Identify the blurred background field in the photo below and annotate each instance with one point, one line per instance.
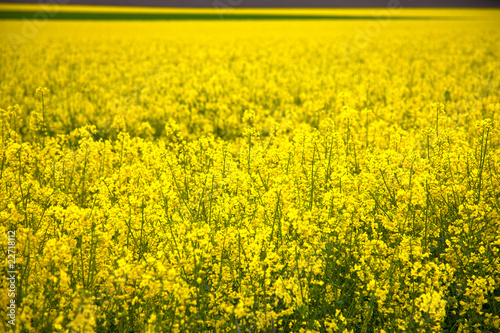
(210, 72)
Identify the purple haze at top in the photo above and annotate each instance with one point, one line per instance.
(277, 3)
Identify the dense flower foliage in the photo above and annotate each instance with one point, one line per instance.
(226, 176)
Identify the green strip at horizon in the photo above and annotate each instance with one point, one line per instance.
(40, 15)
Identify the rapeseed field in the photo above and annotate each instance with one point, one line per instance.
(251, 176)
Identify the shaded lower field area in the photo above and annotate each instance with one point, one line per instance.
(195, 16)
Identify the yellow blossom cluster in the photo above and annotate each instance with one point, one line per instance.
(266, 176)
